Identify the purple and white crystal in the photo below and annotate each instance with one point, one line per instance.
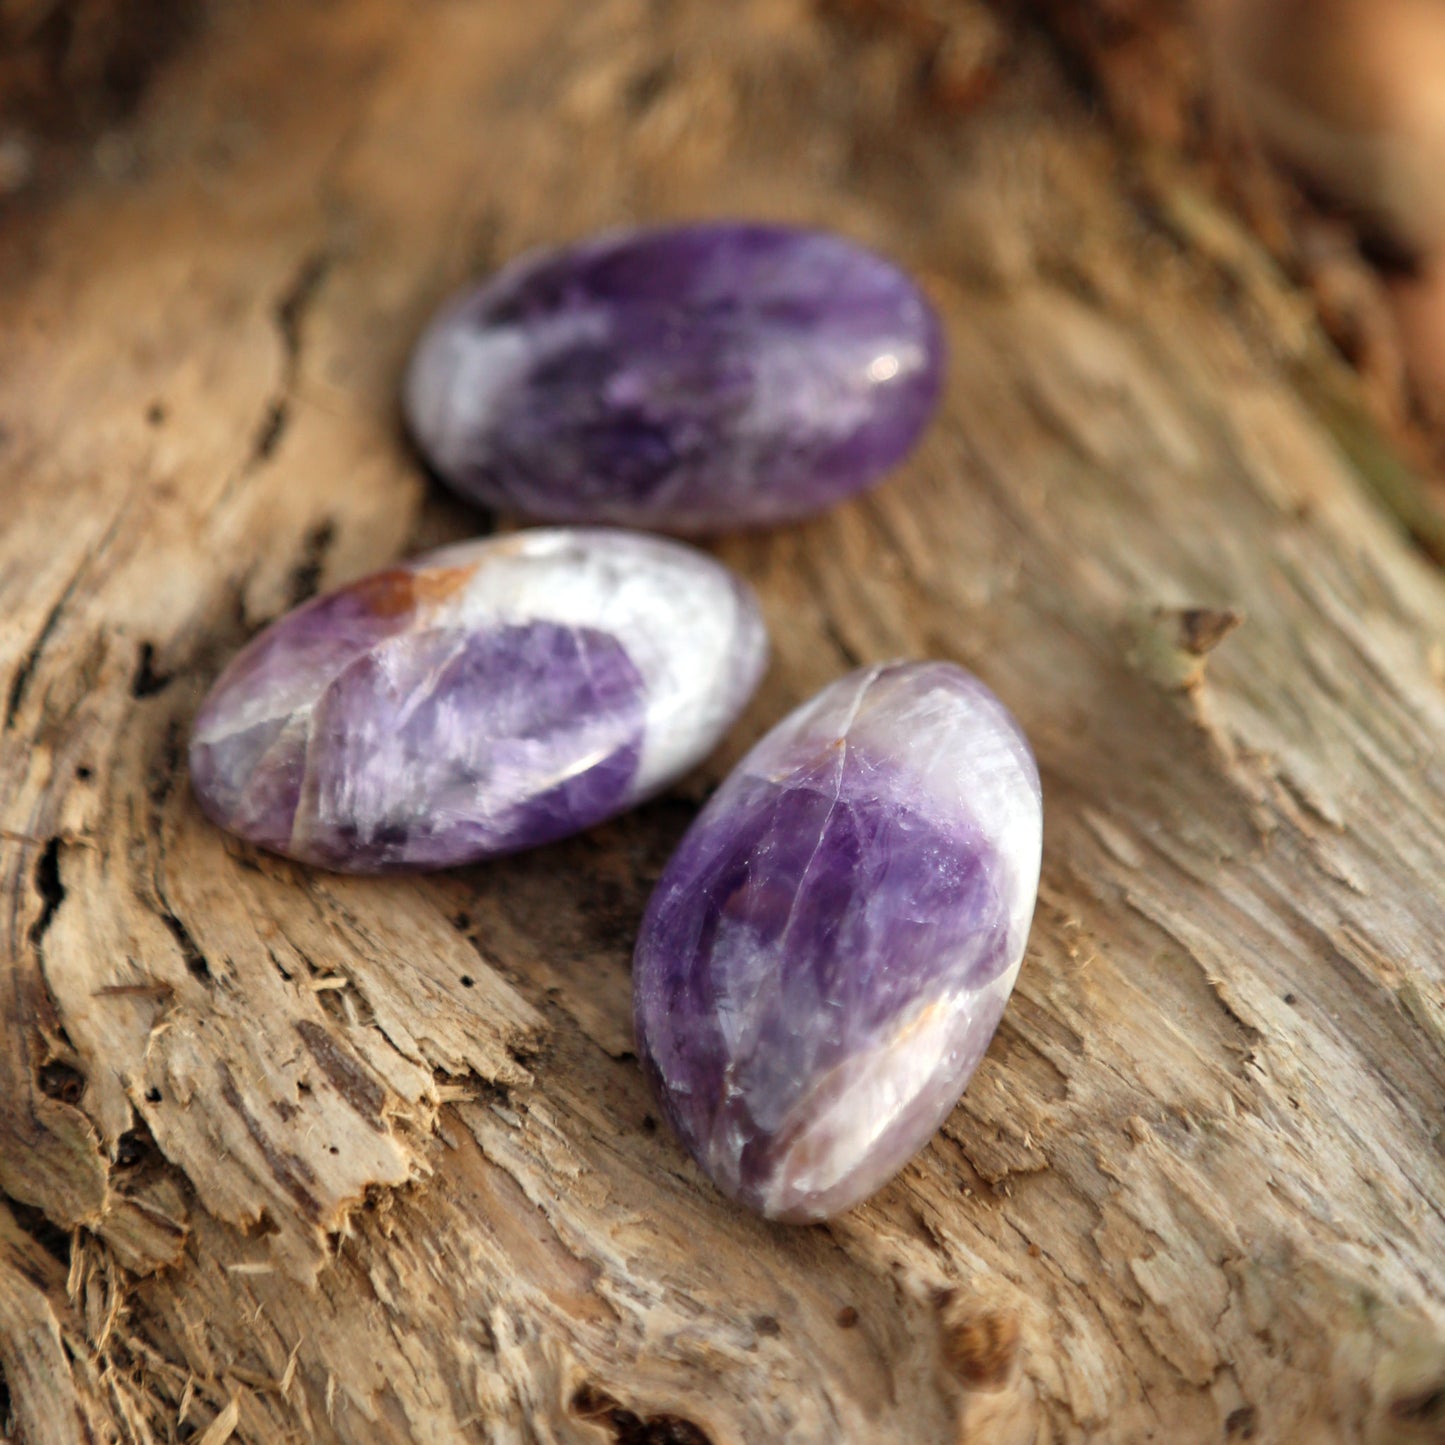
(693, 379)
(482, 699)
(830, 949)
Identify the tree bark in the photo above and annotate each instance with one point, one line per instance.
(290, 1156)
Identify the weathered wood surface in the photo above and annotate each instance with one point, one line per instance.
(291, 1156)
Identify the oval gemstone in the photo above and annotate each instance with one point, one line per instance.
(829, 951)
(692, 379)
(479, 700)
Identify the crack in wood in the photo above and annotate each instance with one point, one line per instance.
(628, 1427)
(161, 778)
(147, 681)
(289, 314)
(58, 1243)
(1421, 1410)
(306, 576)
(20, 684)
(51, 888)
(197, 964)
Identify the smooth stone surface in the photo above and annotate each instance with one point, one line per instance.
(482, 699)
(829, 951)
(692, 379)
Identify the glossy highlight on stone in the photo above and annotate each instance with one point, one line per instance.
(693, 379)
(829, 951)
(479, 700)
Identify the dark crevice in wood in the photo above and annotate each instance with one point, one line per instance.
(147, 682)
(162, 777)
(1241, 1423)
(489, 1091)
(1426, 1408)
(629, 1428)
(54, 1240)
(649, 85)
(306, 576)
(51, 889)
(23, 674)
(298, 296)
(273, 428)
(289, 314)
(58, 1080)
(197, 965)
(137, 1146)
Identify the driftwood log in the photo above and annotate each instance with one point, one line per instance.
(287, 1156)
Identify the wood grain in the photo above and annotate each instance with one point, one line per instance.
(353, 1160)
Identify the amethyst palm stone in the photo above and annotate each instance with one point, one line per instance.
(692, 379)
(830, 949)
(482, 699)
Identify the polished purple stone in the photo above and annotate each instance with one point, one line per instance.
(830, 949)
(482, 699)
(693, 379)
